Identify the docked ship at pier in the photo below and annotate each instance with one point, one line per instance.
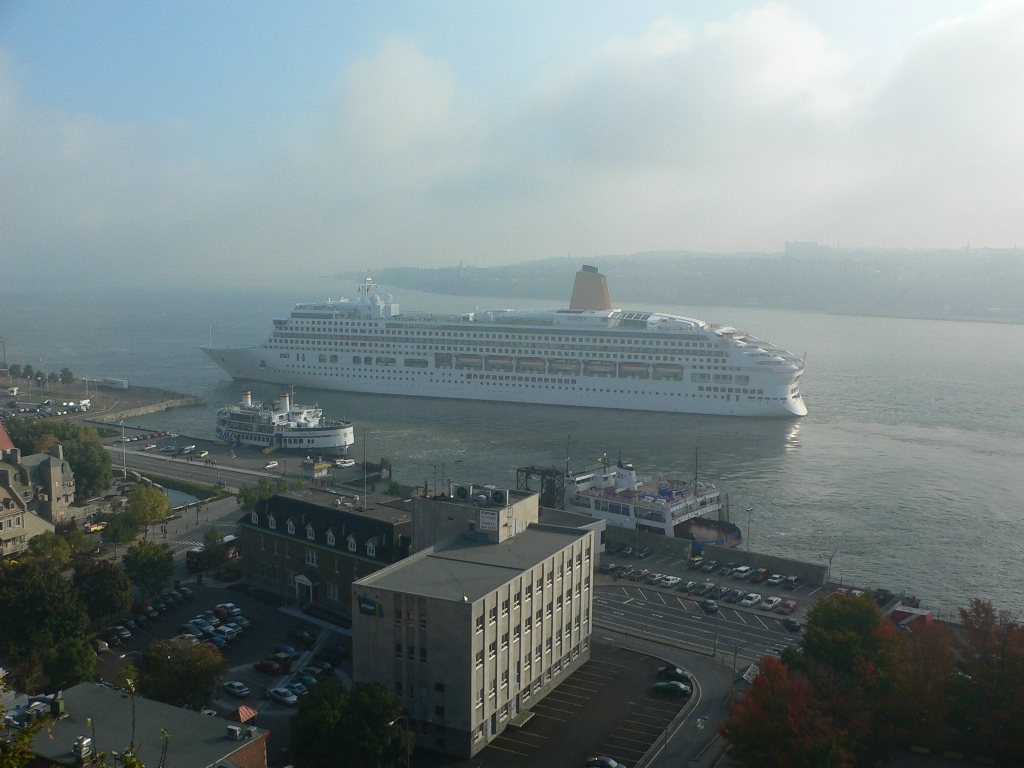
(283, 425)
(588, 354)
(685, 509)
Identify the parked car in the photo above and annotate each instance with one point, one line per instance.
(100, 646)
(241, 622)
(268, 667)
(111, 638)
(709, 566)
(187, 593)
(202, 454)
(627, 552)
(319, 673)
(211, 617)
(760, 575)
(771, 603)
(283, 695)
(718, 592)
(735, 595)
(644, 553)
(218, 640)
(230, 608)
(742, 572)
(674, 673)
(639, 575)
(751, 600)
(344, 463)
(695, 562)
(121, 632)
(688, 586)
(304, 637)
(297, 688)
(709, 606)
(654, 578)
(323, 664)
(775, 580)
(624, 571)
(236, 689)
(670, 581)
(703, 588)
(336, 650)
(792, 582)
(614, 549)
(128, 623)
(607, 568)
(792, 625)
(168, 449)
(270, 465)
(307, 680)
(602, 762)
(150, 447)
(147, 610)
(673, 688)
(787, 607)
(727, 568)
(160, 605)
(282, 648)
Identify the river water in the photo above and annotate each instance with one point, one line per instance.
(908, 466)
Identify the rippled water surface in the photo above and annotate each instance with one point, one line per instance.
(910, 461)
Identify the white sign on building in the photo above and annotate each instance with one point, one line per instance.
(488, 519)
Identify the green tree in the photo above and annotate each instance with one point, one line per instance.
(77, 541)
(103, 588)
(69, 663)
(53, 376)
(49, 550)
(29, 372)
(149, 505)
(777, 725)
(121, 528)
(66, 376)
(180, 673)
(15, 371)
(213, 552)
(40, 609)
(149, 565)
(335, 728)
(249, 496)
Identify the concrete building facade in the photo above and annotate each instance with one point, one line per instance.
(473, 630)
(312, 544)
(43, 481)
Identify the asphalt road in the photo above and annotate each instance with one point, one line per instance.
(193, 471)
(670, 617)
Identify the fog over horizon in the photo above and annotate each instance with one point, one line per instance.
(195, 145)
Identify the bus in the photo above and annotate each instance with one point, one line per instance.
(196, 558)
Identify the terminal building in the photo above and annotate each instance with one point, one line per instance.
(490, 612)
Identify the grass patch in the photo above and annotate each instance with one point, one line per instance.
(200, 491)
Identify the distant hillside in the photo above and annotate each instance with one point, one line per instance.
(966, 284)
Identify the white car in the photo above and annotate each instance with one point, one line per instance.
(236, 689)
(168, 449)
(670, 581)
(271, 465)
(150, 447)
(775, 580)
(283, 696)
(751, 600)
(742, 572)
(344, 463)
(771, 603)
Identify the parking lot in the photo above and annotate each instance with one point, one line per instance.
(269, 627)
(607, 707)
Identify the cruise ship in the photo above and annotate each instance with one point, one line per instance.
(588, 354)
(283, 424)
(614, 494)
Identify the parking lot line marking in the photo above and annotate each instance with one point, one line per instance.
(659, 718)
(655, 728)
(556, 709)
(740, 615)
(761, 622)
(495, 746)
(521, 732)
(558, 691)
(628, 749)
(503, 737)
(662, 706)
(579, 687)
(606, 663)
(634, 741)
(566, 702)
(549, 717)
(601, 674)
(814, 590)
(594, 679)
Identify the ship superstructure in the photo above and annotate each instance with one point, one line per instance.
(613, 493)
(588, 354)
(282, 424)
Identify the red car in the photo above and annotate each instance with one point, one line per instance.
(761, 574)
(268, 666)
(787, 607)
(640, 575)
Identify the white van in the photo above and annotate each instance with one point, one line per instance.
(13, 391)
(271, 465)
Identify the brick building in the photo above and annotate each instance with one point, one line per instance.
(44, 481)
(312, 544)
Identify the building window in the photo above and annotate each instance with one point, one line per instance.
(310, 533)
(352, 546)
(287, 550)
(277, 547)
(517, 632)
(549, 609)
(479, 659)
(410, 653)
(493, 614)
(551, 577)
(263, 543)
(538, 653)
(332, 591)
(529, 591)
(492, 649)
(398, 650)
(480, 698)
(271, 523)
(423, 655)
(330, 538)
(504, 607)
(439, 710)
(291, 527)
(504, 679)
(254, 518)
(423, 621)
(504, 641)
(518, 600)
(529, 623)
(539, 616)
(371, 550)
(291, 578)
(311, 557)
(479, 623)
(439, 687)
(337, 564)
(540, 584)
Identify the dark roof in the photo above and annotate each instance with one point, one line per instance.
(377, 506)
(5, 439)
(196, 741)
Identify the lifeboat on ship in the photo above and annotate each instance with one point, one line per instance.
(530, 365)
(475, 362)
(498, 363)
(561, 366)
(634, 370)
(665, 371)
(598, 368)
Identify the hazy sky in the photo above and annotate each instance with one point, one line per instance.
(210, 142)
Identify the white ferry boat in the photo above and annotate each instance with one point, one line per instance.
(282, 424)
(664, 507)
(586, 355)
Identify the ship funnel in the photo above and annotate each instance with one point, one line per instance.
(247, 398)
(590, 291)
(286, 402)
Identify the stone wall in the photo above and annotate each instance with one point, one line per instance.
(661, 545)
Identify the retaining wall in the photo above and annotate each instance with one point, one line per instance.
(662, 545)
(117, 416)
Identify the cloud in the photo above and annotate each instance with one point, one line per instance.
(732, 135)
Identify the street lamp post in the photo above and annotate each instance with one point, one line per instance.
(124, 458)
(749, 512)
(408, 738)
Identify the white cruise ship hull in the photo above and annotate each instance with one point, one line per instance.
(265, 365)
